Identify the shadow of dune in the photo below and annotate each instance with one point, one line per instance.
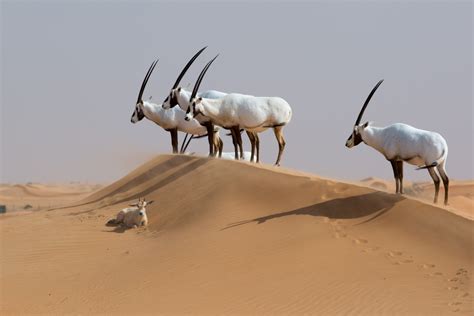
(375, 203)
(160, 168)
(169, 179)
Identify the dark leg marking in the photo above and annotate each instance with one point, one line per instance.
(445, 178)
(400, 175)
(239, 142)
(395, 175)
(174, 140)
(257, 145)
(278, 130)
(234, 141)
(252, 144)
(210, 138)
(436, 181)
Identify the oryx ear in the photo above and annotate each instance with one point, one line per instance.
(179, 89)
(149, 202)
(135, 204)
(200, 99)
(365, 124)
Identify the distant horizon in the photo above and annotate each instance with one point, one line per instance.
(71, 74)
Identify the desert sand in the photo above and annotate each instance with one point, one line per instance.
(230, 237)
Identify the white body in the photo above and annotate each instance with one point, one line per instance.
(254, 114)
(183, 101)
(404, 142)
(171, 118)
(132, 217)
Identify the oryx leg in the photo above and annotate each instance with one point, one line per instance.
(400, 175)
(281, 142)
(174, 139)
(257, 145)
(239, 142)
(233, 132)
(218, 145)
(252, 143)
(210, 138)
(436, 181)
(445, 178)
(395, 175)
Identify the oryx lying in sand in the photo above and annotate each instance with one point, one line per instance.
(134, 216)
(401, 142)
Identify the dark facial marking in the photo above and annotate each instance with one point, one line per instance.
(174, 100)
(140, 114)
(357, 138)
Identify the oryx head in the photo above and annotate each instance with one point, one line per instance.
(142, 203)
(195, 103)
(172, 99)
(355, 138)
(138, 114)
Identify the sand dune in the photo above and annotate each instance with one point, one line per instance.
(230, 237)
(36, 196)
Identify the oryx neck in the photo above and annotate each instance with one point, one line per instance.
(183, 99)
(372, 136)
(210, 107)
(150, 109)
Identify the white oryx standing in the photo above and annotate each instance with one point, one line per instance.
(400, 142)
(172, 120)
(179, 96)
(238, 111)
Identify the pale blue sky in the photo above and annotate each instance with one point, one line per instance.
(71, 72)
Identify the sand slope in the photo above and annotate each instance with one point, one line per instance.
(228, 237)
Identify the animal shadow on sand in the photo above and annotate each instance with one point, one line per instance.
(354, 207)
(119, 228)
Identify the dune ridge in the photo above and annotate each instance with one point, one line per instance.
(230, 237)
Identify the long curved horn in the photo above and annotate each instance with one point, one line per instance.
(145, 80)
(367, 102)
(190, 62)
(201, 76)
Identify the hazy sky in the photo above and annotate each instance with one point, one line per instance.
(71, 72)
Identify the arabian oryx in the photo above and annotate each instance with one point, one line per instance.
(238, 111)
(400, 142)
(134, 216)
(179, 96)
(171, 120)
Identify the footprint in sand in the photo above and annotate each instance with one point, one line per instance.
(394, 253)
(406, 261)
(452, 288)
(428, 266)
(339, 235)
(370, 249)
(359, 241)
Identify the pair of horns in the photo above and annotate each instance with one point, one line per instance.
(145, 80)
(201, 76)
(359, 118)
